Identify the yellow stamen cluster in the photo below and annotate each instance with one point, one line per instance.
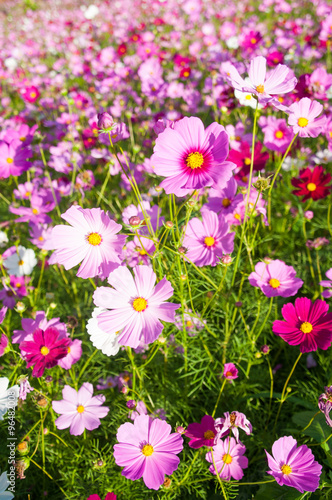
(195, 160)
(209, 241)
(311, 186)
(285, 469)
(274, 283)
(209, 434)
(227, 459)
(306, 327)
(302, 122)
(10, 160)
(260, 89)
(94, 239)
(226, 202)
(147, 450)
(44, 350)
(80, 409)
(140, 304)
(279, 134)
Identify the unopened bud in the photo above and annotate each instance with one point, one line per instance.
(182, 250)
(131, 404)
(134, 221)
(258, 355)
(53, 305)
(167, 483)
(183, 277)
(105, 122)
(20, 307)
(265, 349)
(23, 447)
(261, 184)
(226, 260)
(169, 224)
(180, 429)
(124, 389)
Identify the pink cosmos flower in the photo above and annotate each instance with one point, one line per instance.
(293, 466)
(191, 157)
(3, 312)
(3, 344)
(13, 158)
(325, 404)
(74, 353)
(137, 305)
(327, 293)
(109, 496)
(202, 434)
(277, 136)
(275, 279)
(229, 459)
(209, 239)
(231, 423)
(147, 448)
(264, 85)
(302, 117)
(44, 350)
(91, 238)
(29, 326)
(79, 410)
(224, 200)
(306, 324)
(230, 371)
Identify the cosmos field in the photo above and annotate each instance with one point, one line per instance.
(165, 239)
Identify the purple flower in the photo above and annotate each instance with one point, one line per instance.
(275, 279)
(3, 311)
(13, 158)
(202, 434)
(229, 459)
(328, 284)
(79, 410)
(147, 448)
(293, 466)
(325, 404)
(3, 344)
(232, 422)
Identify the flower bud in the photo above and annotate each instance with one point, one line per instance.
(226, 260)
(131, 404)
(134, 221)
(105, 122)
(180, 429)
(169, 224)
(261, 184)
(308, 214)
(265, 349)
(20, 307)
(167, 483)
(23, 448)
(182, 249)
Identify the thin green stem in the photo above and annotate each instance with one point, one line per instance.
(219, 395)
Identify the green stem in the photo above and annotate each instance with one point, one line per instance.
(220, 392)
(218, 476)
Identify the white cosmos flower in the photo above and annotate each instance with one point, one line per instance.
(233, 42)
(108, 343)
(21, 263)
(324, 156)
(4, 483)
(91, 12)
(3, 239)
(8, 397)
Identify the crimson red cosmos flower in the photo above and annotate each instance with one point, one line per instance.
(306, 324)
(44, 350)
(312, 184)
(242, 159)
(202, 434)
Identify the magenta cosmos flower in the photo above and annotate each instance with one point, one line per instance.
(202, 434)
(45, 350)
(137, 305)
(275, 279)
(91, 239)
(264, 85)
(13, 158)
(293, 466)
(79, 410)
(191, 157)
(147, 448)
(306, 324)
(109, 496)
(230, 371)
(209, 239)
(328, 284)
(303, 117)
(229, 459)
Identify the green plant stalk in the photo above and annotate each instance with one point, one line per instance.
(219, 395)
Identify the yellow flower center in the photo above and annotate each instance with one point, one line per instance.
(22, 139)
(226, 202)
(302, 122)
(94, 239)
(35, 211)
(229, 374)
(253, 40)
(147, 450)
(41, 238)
(209, 241)
(248, 97)
(237, 216)
(208, 435)
(80, 409)
(195, 160)
(10, 160)
(44, 350)
(227, 458)
(274, 283)
(18, 285)
(68, 350)
(311, 186)
(285, 469)
(260, 89)
(20, 262)
(142, 252)
(189, 323)
(33, 95)
(140, 304)
(247, 161)
(279, 134)
(306, 327)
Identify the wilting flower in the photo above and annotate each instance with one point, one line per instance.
(312, 184)
(137, 305)
(231, 423)
(91, 239)
(303, 117)
(327, 293)
(79, 410)
(147, 448)
(191, 157)
(209, 239)
(306, 324)
(230, 371)
(8, 397)
(202, 434)
(25, 387)
(264, 85)
(275, 279)
(293, 466)
(45, 350)
(229, 459)
(325, 404)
